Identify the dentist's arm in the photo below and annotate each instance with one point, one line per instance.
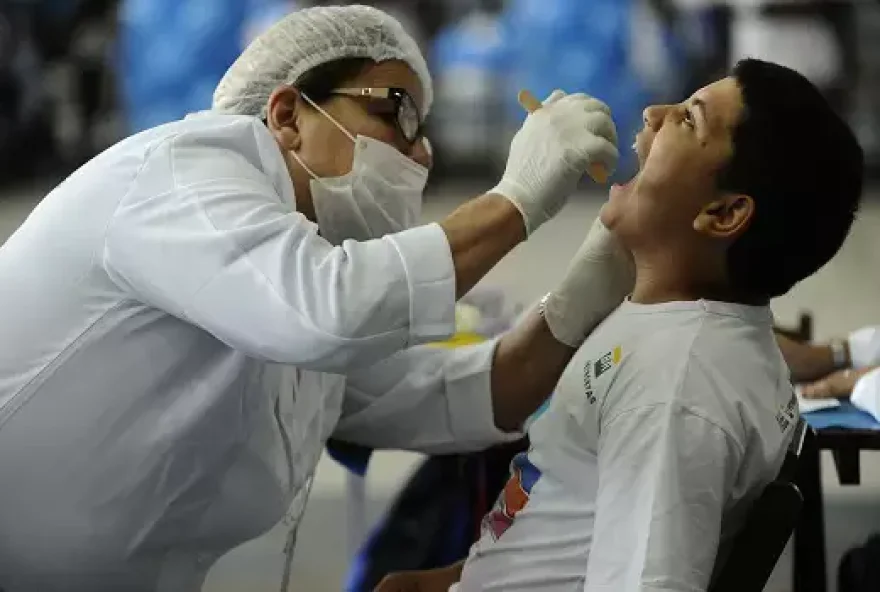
(204, 235)
(438, 400)
(548, 157)
(531, 358)
(480, 233)
(528, 363)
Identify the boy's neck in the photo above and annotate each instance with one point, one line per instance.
(672, 278)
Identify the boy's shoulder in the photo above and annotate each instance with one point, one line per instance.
(720, 367)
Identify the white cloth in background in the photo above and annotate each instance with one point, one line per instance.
(806, 44)
(866, 393)
(864, 351)
(667, 424)
(864, 347)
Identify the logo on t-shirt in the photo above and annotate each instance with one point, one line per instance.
(787, 414)
(594, 370)
(608, 361)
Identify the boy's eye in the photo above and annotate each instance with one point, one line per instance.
(689, 119)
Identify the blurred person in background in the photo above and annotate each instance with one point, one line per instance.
(678, 410)
(843, 367)
(172, 54)
(190, 316)
(27, 142)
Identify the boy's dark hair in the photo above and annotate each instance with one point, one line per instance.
(802, 166)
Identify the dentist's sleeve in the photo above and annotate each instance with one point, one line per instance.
(204, 235)
(427, 399)
(864, 347)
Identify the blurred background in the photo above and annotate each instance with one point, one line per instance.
(77, 75)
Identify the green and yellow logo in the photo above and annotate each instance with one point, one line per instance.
(593, 371)
(607, 362)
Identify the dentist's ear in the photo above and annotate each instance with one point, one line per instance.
(282, 115)
(726, 218)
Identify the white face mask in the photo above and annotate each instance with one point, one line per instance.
(381, 195)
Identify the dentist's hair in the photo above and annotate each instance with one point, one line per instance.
(305, 40)
(802, 166)
(319, 83)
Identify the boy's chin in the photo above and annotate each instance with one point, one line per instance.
(609, 215)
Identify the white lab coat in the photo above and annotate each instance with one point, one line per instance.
(176, 346)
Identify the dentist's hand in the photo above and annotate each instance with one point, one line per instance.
(530, 358)
(599, 277)
(552, 152)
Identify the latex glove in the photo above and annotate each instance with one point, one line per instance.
(551, 152)
(600, 276)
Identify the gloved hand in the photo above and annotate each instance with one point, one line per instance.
(551, 152)
(598, 279)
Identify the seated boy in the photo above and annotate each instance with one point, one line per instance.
(678, 409)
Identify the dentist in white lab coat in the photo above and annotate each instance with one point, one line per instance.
(188, 318)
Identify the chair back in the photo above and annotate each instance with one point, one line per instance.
(768, 526)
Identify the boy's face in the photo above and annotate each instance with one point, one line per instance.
(681, 150)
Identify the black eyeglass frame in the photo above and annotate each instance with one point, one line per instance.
(406, 114)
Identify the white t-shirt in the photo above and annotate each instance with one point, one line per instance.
(664, 428)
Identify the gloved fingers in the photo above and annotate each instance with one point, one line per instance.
(593, 115)
(589, 104)
(599, 151)
(601, 125)
(602, 244)
(556, 95)
(598, 230)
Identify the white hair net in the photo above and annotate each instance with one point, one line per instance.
(309, 38)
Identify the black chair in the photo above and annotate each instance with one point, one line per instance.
(768, 527)
(803, 333)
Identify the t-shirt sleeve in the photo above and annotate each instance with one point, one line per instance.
(664, 477)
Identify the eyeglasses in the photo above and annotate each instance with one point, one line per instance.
(404, 113)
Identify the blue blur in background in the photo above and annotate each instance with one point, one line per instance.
(172, 53)
(540, 45)
(578, 46)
